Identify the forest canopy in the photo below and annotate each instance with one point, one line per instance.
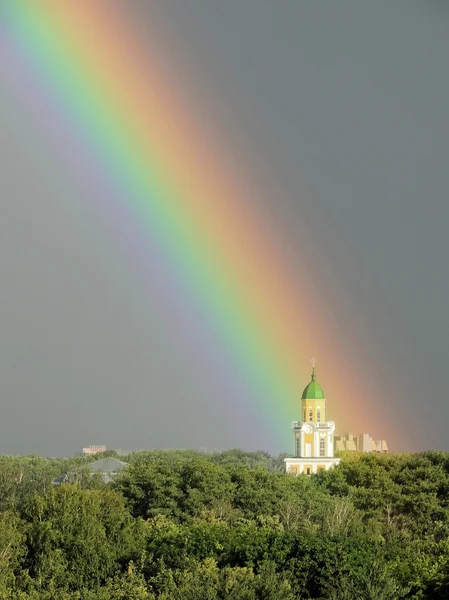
(225, 526)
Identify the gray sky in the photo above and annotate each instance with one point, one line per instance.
(344, 106)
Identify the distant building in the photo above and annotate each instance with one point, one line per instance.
(364, 443)
(346, 443)
(367, 444)
(92, 450)
(313, 437)
(108, 468)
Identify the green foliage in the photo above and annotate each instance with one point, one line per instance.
(225, 526)
(76, 538)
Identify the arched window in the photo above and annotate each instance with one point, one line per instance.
(322, 447)
(318, 416)
(310, 414)
(304, 415)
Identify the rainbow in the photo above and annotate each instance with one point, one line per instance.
(81, 64)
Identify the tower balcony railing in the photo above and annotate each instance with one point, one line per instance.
(297, 425)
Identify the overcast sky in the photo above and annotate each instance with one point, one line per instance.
(345, 106)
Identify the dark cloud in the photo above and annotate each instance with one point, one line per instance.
(344, 106)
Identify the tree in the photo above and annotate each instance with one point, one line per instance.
(78, 538)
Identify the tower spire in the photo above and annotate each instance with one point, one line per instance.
(313, 361)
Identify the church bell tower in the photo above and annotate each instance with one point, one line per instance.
(313, 436)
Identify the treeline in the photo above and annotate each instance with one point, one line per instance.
(183, 525)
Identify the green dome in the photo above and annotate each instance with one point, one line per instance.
(313, 391)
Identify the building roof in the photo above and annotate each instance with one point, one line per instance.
(313, 391)
(106, 465)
